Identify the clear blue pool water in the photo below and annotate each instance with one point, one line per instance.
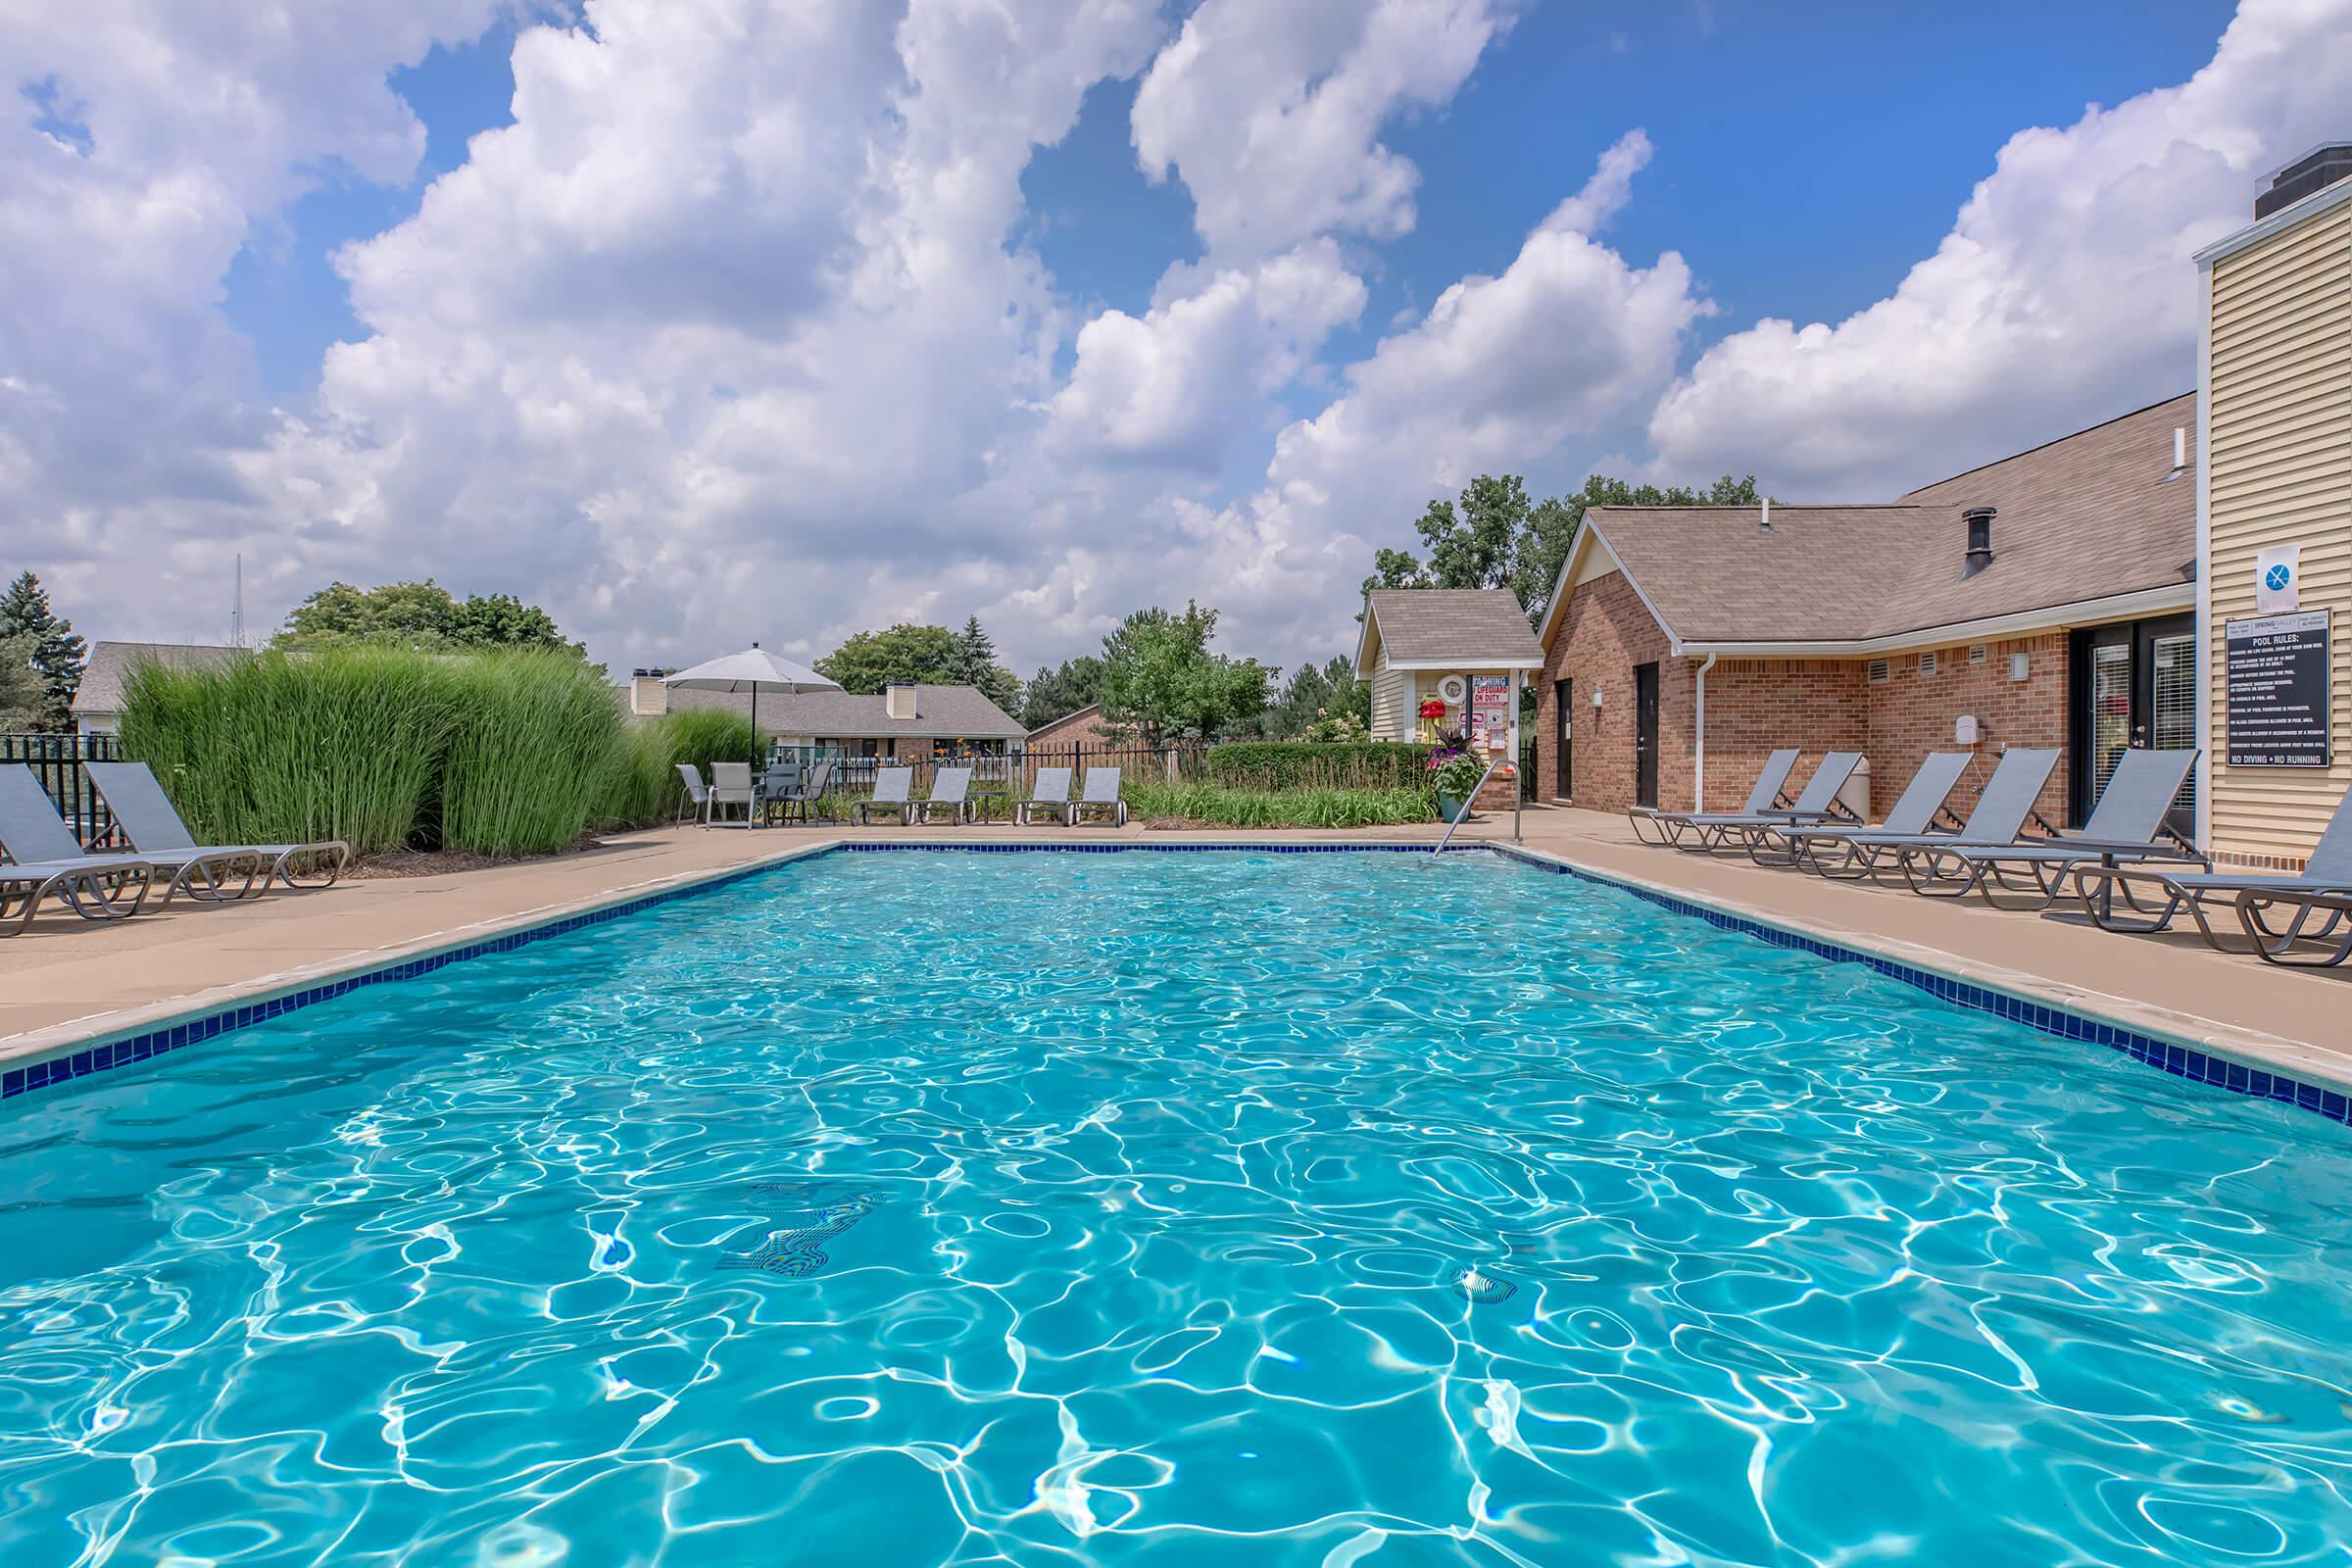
(1113, 1208)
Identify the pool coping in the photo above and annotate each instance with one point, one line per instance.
(2225, 1056)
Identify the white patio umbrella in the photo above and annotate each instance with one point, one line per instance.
(749, 671)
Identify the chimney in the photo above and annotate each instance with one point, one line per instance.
(1979, 540)
(2316, 170)
(648, 692)
(898, 699)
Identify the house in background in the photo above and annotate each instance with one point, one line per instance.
(1079, 731)
(2044, 600)
(907, 722)
(2275, 517)
(98, 701)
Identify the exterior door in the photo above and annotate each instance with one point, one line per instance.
(1563, 694)
(2135, 684)
(1646, 735)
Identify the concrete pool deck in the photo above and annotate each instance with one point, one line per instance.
(66, 981)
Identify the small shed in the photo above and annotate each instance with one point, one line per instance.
(1467, 647)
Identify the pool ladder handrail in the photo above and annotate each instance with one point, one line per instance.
(1467, 805)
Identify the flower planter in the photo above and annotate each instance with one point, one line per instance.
(1451, 810)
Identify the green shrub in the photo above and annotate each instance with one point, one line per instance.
(343, 744)
(1318, 764)
(640, 784)
(533, 739)
(1225, 806)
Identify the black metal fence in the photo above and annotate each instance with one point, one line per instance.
(56, 761)
(1012, 770)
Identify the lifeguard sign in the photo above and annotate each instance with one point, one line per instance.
(1491, 713)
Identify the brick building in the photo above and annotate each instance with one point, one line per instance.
(2043, 600)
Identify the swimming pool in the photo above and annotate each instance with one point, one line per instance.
(902, 1208)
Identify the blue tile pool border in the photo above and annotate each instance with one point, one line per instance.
(2172, 1056)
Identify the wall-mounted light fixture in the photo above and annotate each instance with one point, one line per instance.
(1596, 697)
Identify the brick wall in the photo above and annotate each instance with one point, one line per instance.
(1084, 727)
(1603, 633)
(1756, 706)
(1911, 715)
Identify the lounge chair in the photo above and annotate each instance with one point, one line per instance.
(1913, 816)
(1050, 793)
(1997, 818)
(2278, 946)
(2125, 826)
(892, 787)
(951, 788)
(1671, 826)
(46, 859)
(148, 819)
(2326, 873)
(1705, 832)
(1102, 794)
(730, 785)
(697, 799)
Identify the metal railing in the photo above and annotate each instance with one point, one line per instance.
(56, 761)
(1470, 804)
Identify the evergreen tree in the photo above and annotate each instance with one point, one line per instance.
(58, 656)
(976, 665)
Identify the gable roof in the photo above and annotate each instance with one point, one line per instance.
(941, 712)
(1445, 628)
(110, 666)
(2087, 517)
(1056, 723)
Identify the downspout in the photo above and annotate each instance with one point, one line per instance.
(1698, 746)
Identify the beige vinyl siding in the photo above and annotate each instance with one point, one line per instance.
(2279, 390)
(1393, 700)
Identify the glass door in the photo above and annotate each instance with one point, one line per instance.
(1563, 693)
(1646, 735)
(2136, 684)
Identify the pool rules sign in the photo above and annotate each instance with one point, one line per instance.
(2277, 691)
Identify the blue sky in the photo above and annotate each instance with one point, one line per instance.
(736, 320)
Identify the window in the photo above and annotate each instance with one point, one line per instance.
(1927, 663)
(1976, 652)
(1880, 671)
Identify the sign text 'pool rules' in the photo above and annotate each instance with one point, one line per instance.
(2277, 691)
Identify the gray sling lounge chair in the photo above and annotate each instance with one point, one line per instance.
(1913, 816)
(1672, 826)
(1051, 795)
(148, 819)
(2327, 873)
(1102, 794)
(48, 859)
(893, 793)
(2125, 826)
(1709, 831)
(951, 790)
(1997, 818)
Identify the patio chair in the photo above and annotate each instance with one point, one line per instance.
(2125, 826)
(1102, 794)
(1912, 816)
(1052, 794)
(1997, 818)
(1704, 833)
(697, 799)
(1670, 826)
(809, 787)
(2327, 873)
(2278, 946)
(148, 820)
(46, 858)
(893, 789)
(951, 787)
(779, 783)
(730, 785)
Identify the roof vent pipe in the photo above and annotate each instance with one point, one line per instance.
(1980, 539)
(1764, 521)
(2179, 446)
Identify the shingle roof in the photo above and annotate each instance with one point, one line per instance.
(2081, 517)
(110, 666)
(944, 712)
(1453, 625)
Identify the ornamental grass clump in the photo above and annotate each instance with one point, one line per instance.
(340, 744)
(533, 739)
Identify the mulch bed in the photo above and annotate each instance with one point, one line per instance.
(433, 862)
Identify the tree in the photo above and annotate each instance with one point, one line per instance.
(57, 656)
(23, 694)
(421, 615)
(976, 665)
(1059, 691)
(1499, 538)
(1328, 691)
(868, 661)
(1161, 681)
